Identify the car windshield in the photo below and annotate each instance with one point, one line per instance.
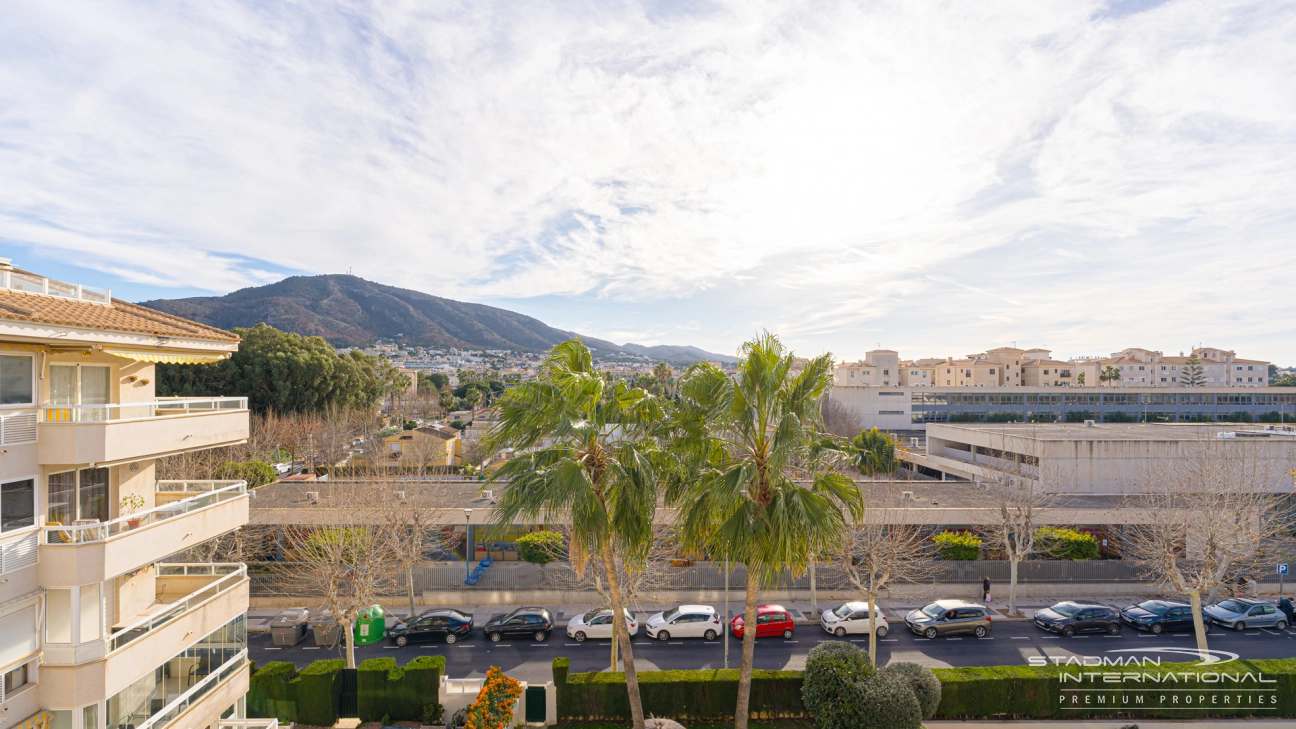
(1231, 606)
(1154, 607)
(933, 611)
(1065, 609)
(843, 612)
(670, 614)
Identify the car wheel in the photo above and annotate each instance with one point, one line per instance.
(787, 635)
(840, 632)
(495, 637)
(451, 638)
(1281, 625)
(1156, 629)
(709, 635)
(980, 631)
(1068, 631)
(402, 641)
(1205, 627)
(930, 633)
(580, 636)
(1239, 626)
(541, 636)
(1113, 629)
(663, 636)
(882, 631)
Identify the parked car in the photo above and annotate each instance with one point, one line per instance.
(1158, 616)
(685, 621)
(438, 624)
(852, 618)
(598, 624)
(947, 617)
(1240, 614)
(283, 469)
(1071, 617)
(526, 622)
(771, 621)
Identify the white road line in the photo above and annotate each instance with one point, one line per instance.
(273, 649)
(953, 639)
(1051, 637)
(981, 638)
(1079, 636)
(390, 647)
(791, 641)
(1145, 635)
(676, 642)
(1112, 636)
(1021, 637)
(468, 646)
(311, 648)
(889, 640)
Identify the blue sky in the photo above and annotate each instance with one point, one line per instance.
(930, 177)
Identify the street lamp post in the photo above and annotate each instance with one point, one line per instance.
(467, 543)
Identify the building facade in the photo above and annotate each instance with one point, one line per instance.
(98, 630)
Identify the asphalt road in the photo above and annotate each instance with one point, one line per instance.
(1011, 643)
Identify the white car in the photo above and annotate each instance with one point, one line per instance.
(685, 621)
(283, 469)
(598, 624)
(853, 618)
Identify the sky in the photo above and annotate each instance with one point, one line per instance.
(937, 178)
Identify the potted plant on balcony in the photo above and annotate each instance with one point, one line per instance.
(130, 504)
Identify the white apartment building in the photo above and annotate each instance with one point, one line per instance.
(96, 631)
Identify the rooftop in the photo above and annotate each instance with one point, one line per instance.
(1125, 431)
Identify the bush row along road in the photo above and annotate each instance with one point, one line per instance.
(1011, 643)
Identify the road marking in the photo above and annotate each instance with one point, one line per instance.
(539, 645)
(888, 640)
(273, 649)
(791, 641)
(676, 642)
(468, 646)
(390, 647)
(1079, 636)
(571, 643)
(1051, 637)
(1112, 636)
(980, 639)
(1254, 634)
(953, 639)
(311, 648)
(710, 642)
(917, 639)
(1021, 637)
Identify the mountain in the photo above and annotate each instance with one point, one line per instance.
(350, 311)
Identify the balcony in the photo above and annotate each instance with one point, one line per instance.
(78, 555)
(203, 704)
(122, 432)
(194, 600)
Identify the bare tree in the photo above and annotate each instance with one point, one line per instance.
(412, 528)
(1019, 493)
(344, 561)
(840, 420)
(1203, 516)
(882, 550)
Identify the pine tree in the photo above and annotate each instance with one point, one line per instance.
(1192, 374)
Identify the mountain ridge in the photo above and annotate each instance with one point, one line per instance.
(351, 311)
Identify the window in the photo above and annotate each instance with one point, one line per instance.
(16, 380)
(992, 370)
(15, 679)
(19, 634)
(17, 504)
(886, 372)
(76, 495)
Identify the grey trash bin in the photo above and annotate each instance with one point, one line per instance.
(288, 628)
(326, 631)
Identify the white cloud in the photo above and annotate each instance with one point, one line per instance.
(957, 176)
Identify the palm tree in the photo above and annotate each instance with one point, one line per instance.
(473, 396)
(1109, 375)
(760, 495)
(446, 400)
(874, 453)
(593, 460)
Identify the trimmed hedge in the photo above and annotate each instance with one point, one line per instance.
(1038, 692)
(272, 692)
(708, 695)
(1064, 543)
(319, 692)
(382, 689)
(958, 546)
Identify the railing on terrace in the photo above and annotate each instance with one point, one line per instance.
(161, 408)
(33, 284)
(247, 724)
(193, 487)
(173, 710)
(234, 575)
(57, 534)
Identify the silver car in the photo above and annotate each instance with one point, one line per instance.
(1240, 614)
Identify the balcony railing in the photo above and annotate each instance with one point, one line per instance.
(171, 711)
(247, 724)
(234, 574)
(140, 410)
(87, 533)
(33, 284)
(193, 487)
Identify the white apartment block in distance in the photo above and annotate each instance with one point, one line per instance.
(96, 631)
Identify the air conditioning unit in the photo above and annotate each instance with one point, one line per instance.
(489, 494)
(906, 496)
(312, 496)
(400, 495)
(1089, 423)
(1226, 435)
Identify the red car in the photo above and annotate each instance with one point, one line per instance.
(771, 621)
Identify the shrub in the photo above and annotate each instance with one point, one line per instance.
(1120, 416)
(958, 546)
(966, 417)
(418, 694)
(320, 692)
(1273, 416)
(922, 681)
(1003, 418)
(540, 547)
(833, 670)
(272, 692)
(1064, 543)
(1239, 416)
(885, 701)
(372, 677)
(256, 473)
(493, 708)
(1079, 416)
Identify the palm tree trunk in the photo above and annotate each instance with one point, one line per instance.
(621, 635)
(743, 709)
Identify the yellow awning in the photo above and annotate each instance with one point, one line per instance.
(39, 720)
(21, 347)
(143, 354)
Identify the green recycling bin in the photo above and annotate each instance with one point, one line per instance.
(371, 625)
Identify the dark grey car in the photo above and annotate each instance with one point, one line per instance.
(947, 617)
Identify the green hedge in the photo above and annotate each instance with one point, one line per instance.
(272, 692)
(372, 679)
(958, 546)
(706, 695)
(1064, 543)
(319, 692)
(966, 693)
(1038, 692)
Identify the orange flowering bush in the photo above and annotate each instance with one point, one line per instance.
(493, 708)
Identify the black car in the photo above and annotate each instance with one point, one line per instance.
(1069, 618)
(432, 626)
(528, 622)
(1158, 616)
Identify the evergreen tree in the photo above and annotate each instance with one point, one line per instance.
(1192, 374)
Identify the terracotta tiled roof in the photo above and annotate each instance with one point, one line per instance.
(118, 316)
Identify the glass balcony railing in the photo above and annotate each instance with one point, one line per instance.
(57, 534)
(247, 724)
(161, 408)
(33, 284)
(229, 575)
(173, 710)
